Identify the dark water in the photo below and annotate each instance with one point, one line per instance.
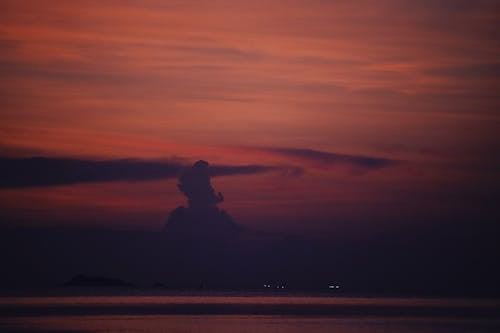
(245, 313)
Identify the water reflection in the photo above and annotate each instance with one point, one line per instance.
(243, 324)
(254, 313)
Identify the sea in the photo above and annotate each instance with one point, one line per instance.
(247, 312)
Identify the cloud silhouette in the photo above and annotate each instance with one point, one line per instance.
(366, 162)
(195, 184)
(45, 171)
(202, 218)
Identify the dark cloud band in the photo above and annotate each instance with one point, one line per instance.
(44, 171)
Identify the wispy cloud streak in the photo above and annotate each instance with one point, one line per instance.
(367, 162)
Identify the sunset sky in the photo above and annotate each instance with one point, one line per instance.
(348, 115)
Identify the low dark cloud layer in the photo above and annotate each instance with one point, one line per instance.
(45, 171)
(366, 162)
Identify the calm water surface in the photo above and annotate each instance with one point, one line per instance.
(254, 313)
